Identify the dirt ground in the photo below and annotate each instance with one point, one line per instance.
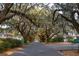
(71, 53)
(8, 52)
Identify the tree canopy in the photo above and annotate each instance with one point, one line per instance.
(27, 18)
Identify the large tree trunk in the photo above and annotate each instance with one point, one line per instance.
(27, 37)
(24, 32)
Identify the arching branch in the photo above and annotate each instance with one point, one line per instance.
(67, 19)
(5, 11)
(22, 14)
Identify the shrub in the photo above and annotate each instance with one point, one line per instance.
(15, 42)
(56, 39)
(24, 41)
(9, 43)
(1, 47)
(76, 41)
(70, 39)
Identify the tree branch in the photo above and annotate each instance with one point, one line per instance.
(53, 19)
(22, 14)
(7, 17)
(67, 19)
(5, 12)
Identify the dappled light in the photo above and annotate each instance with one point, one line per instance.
(46, 29)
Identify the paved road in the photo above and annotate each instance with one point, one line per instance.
(37, 49)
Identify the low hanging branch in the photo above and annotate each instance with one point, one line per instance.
(4, 12)
(54, 14)
(67, 19)
(7, 17)
(22, 14)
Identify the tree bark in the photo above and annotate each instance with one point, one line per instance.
(4, 12)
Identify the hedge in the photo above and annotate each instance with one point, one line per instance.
(56, 39)
(70, 39)
(9, 43)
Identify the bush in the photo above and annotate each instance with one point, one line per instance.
(1, 47)
(70, 39)
(9, 43)
(56, 39)
(76, 41)
(14, 42)
(24, 41)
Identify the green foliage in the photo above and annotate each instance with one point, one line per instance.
(70, 39)
(6, 44)
(1, 46)
(9, 43)
(56, 39)
(1, 49)
(24, 41)
(76, 41)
